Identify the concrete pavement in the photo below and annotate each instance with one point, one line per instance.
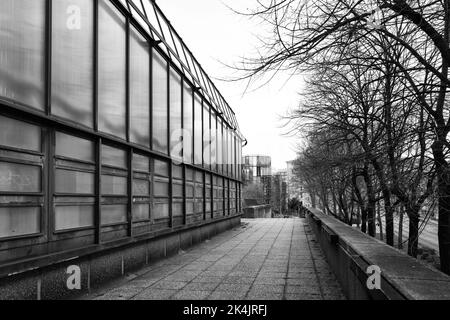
(263, 259)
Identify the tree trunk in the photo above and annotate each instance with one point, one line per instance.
(400, 229)
(364, 220)
(371, 203)
(389, 215)
(413, 238)
(371, 225)
(380, 223)
(313, 199)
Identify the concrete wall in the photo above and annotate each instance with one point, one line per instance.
(350, 252)
(50, 282)
(262, 211)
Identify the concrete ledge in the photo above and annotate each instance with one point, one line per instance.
(349, 252)
(262, 211)
(49, 282)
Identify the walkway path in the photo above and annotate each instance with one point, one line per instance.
(262, 259)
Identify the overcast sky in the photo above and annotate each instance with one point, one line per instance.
(218, 36)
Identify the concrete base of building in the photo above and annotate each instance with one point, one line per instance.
(59, 280)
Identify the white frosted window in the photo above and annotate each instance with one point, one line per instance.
(16, 177)
(187, 123)
(141, 211)
(69, 181)
(113, 185)
(74, 147)
(198, 131)
(18, 134)
(206, 137)
(19, 221)
(176, 136)
(213, 145)
(161, 210)
(22, 51)
(114, 157)
(112, 214)
(160, 103)
(72, 60)
(139, 89)
(111, 70)
(71, 217)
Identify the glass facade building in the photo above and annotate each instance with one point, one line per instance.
(257, 171)
(109, 128)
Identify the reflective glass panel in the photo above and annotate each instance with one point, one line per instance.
(22, 51)
(73, 60)
(18, 134)
(139, 89)
(160, 103)
(111, 70)
(19, 221)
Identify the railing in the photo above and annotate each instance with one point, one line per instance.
(369, 269)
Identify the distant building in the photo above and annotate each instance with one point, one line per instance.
(257, 179)
(295, 187)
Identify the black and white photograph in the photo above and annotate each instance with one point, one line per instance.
(227, 158)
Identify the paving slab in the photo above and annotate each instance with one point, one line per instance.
(263, 259)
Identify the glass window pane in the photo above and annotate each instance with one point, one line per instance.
(198, 130)
(18, 134)
(189, 190)
(139, 89)
(112, 185)
(213, 146)
(114, 214)
(74, 182)
(111, 70)
(177, 190)
(177, 172)
(141, 163)
(16, 177)
(71, 217)
(189, 208)
(161, 210)
(141, 211)
(206, 137)
(22, 51)
(72, 60)
(160, 101)
(74, 147)
(176, 141)
(161, 168)
(19, 221)
(177, 209)
(114, 157)
(141, 187)
(161, 188)
(219, 145)
(187, 123)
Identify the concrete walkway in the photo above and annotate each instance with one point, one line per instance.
(262, 259)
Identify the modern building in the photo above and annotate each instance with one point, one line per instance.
(257, 172)
(112, 137)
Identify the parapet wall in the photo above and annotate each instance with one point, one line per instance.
(350, 253)
(262, 211)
